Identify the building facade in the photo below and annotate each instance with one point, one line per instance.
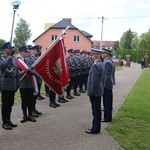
(74, 39)
(105, 44)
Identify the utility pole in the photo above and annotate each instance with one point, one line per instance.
(101, 44)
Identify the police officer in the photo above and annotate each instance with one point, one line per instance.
(36, 53)
(9, 84)
(35, 56)
(95, 90)
(77, 62)
(83, 71)
(108, 84)
(71, 66)
(89, 63)
(26, 86)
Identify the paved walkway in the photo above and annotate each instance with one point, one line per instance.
(63, 128)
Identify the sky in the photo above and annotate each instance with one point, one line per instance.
(120, 15)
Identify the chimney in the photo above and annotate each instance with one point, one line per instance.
(68, 19)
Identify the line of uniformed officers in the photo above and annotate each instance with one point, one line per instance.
(13, 77)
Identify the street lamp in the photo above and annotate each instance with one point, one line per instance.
(101, 44)
(15, 7)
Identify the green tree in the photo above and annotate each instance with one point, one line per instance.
(144, 42)
(135, 42)
(2, 42)
(22, 33)
(126, 39)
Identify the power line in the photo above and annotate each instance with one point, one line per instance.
(90, 18)
(132, 17)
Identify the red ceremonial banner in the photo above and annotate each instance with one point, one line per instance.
(52, 68)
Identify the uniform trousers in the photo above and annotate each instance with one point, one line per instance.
(7, 103)
(82, 81)
(96, 111)
(107, 102)
(76, 83)
(27, 100)
(71, 84)
(52, 96)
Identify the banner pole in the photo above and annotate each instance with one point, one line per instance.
(64, 31)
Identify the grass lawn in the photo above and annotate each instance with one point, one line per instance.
(119, 68)
(131, 124)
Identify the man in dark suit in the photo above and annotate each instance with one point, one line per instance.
(108, 84)
(9, 84)
(95, 90)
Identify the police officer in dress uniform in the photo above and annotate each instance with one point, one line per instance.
(36, 52)
(71, 66)
(77, 62)
(89, 63)
(26, 86)
(108, 84)
(95, 90)
(35, 56)
(9, 84)
(83, 71)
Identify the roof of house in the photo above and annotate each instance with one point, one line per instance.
(104, 43)
(86, 33)
(63, 24)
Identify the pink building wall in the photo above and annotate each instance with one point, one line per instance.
(46, 39)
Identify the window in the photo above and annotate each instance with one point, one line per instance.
(54, 37)
(76, 38)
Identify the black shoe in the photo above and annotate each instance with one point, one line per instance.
(76, 94)
(72, 96)
(39, 98)
(65, 100)
(30, 118)
(60, 100)
(37, 112)
(6, 126)
(53, 105)
(11, 124)
(24, 119)
(82, 91)
(106, 121)
(34, 114)
(47, 95)
(42, 96)
(89, 131)
(57, 104)
(69, 97)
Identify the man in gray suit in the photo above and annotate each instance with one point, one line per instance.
(108, 84)
(9, 84)
(95, 90)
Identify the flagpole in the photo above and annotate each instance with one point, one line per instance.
(64, 31)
